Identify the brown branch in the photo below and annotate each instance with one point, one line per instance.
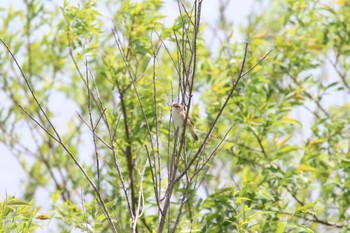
(340, 74)
(185, 82)
(260, 143)
(31, 90)
(100, 199)
(213, 153)
(207, 137)
(317, 220)
(89, 94)
(317, 102)
(58, 139)
(156, 155)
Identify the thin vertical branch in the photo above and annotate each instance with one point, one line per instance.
(186, 70)
(93, 128)
(208, 135)
(130, 158)
(58, 139)
(140, 202)
(31, 91)
(157, 160)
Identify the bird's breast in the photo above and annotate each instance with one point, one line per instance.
(178, 120)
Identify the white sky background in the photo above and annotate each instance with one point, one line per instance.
(11, 174)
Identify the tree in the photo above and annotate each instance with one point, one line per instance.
(118, 163)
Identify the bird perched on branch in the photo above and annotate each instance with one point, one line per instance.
(179, 114)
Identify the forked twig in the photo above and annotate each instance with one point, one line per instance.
(207, 137)
(58, 139)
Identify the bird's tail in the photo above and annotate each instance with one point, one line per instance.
(193, 133)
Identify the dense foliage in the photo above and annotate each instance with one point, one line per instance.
(86, 113)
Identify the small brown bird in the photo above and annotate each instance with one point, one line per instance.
(179, 115)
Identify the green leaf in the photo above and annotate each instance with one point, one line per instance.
(16, 202)
(307, 206)
(280, 227)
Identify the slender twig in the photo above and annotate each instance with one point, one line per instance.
(194, 175)
(198, 7)
(154, 178)
(260, 143)
(39, 124)
(183, 201)
(130, 159)
(89, 94)
(100, 199)
(294, 196)
(340, 74)
(317, 102)
(140, 202)
(169, 54)
(323, 222)
(93, 131)
(85, 218)
(258, 63)
(208, 135)
(58, 139)
(112, 138)
(31, 91)
(157, 159)
(201, 149)
(213, 153)
(188, 74)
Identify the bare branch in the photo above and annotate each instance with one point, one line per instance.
(58, 139)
